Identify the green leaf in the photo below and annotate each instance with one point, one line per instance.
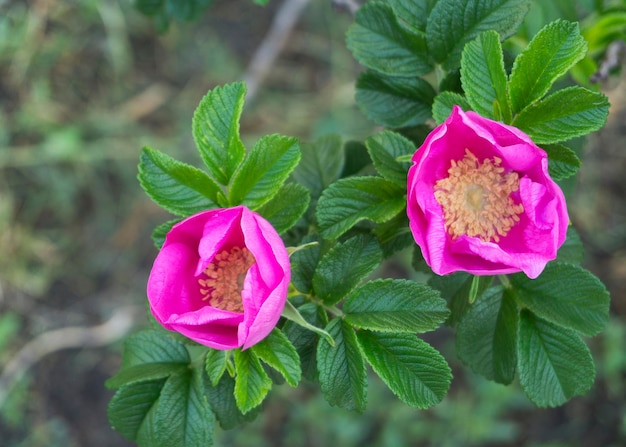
(554, 363)
(180, 9)
(572, 251)
(160, 232)
(320, 165)
(215, 365)
(394, 235)
(148, 7)
(453, 23)
(144, 372)
(562, 161)
(152, 346)
(264, 170)
(413, 13)
(486, 338)
(252, 382)
(566, 295)
(351, 200)
(379, 42)
(356, 159)
(550, 54)
(456, 289)
(384, 149)
(303, 264)
(395, 305)
(444, 102)
(222, 400)
(277, 351)
(286, 208)
(342, 372)
(412, 369)
(304, 340)
(177, 187)
(393, 101)
(292, 314)
(565, 114)
(452, 82)
(216, 130)
(129, 407)
(484, 78)
(182, 415)
(345, 266)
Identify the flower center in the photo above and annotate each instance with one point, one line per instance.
(476, 198)
(223, 281)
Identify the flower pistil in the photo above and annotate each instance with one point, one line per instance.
(476, 198)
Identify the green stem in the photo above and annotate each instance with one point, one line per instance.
(333, 310)
(293, 292)
(504, 280)
(291, 313)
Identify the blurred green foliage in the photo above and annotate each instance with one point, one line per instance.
(162, 12)
(83, 85)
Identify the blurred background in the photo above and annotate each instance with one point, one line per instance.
(84, 84)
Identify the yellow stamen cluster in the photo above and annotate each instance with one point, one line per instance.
(224, 276)
(476, 198)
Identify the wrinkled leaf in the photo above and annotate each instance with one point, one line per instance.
(563, 115)
(567, 295)
(410, 367)
(264, 170)
(345, 266)
(484, 78)
(394, 101)
(550, 54)
(348, 201)
(554, 363)
(379, 42)
(178, 187)
(215, 127)
(342, 372)
(487, 336)
(453, 23)
(390, 305)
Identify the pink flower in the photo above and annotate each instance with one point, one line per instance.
(480, 199)
(221, 278)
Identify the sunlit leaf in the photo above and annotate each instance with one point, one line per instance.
(216, 130)
(554, 50)
(177, 187)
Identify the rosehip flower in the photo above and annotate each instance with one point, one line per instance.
(221, 278)
(480, 199)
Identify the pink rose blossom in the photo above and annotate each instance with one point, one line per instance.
(221, 278)
(480, 199)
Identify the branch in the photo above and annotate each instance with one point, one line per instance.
(274, 42)
(613, 58)
(70, 337)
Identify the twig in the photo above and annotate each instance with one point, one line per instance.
(275, 40)
(615, 54)
(70, 337)
(352, 6)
